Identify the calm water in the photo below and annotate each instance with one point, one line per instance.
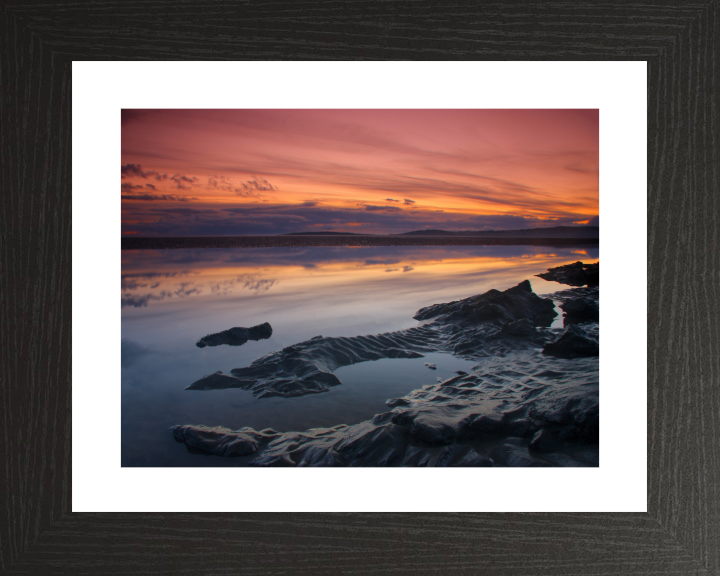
(171, 298)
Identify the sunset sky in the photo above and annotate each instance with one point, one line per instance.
(236, 172)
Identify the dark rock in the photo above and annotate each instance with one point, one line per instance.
(472, 458)
(217, 440)
(574, 343)
(236, 336)
(280, 461)
(430, 429)
(307, 367)
(395, 353)
(363, 444)
(506, 412)
(509, 454)
(469, 346)
(511, 410)
(545, 441)
(316, 456)
(217, 381)
(393, 402)
(520, 329)
(494, 322)
(579, 310)
(483, 424)
(496, 307)
(577, 274)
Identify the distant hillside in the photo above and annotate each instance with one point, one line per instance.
(322, 234)
(553, 232)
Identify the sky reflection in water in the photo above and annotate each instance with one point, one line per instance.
(172, 298)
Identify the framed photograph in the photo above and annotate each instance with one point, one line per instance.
(343, 359)
(421, 342)
(643, 500)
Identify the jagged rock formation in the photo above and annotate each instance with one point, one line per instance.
(523, 328)
(574, 343)
(516, 303)
(236, 336)
(577, 274)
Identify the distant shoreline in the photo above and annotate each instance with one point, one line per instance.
(299, 241)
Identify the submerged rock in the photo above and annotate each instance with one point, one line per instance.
(574, 343)
(577, 274)
(236, 336)
(578, 310)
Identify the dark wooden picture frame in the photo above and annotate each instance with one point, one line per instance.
(680, 533)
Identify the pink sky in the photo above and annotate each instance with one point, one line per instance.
(219, 172)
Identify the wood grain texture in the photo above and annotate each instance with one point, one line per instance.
(681, 532)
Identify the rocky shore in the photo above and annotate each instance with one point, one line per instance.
(532, 399)
(577, 274)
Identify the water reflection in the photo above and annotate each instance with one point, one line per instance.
(171, 298)
(153, 275)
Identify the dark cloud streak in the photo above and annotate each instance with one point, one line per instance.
(253, 187)
(158, 197)
(136, 171)
(265, 219)
(372, 208)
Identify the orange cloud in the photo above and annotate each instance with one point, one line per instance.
(436, 165)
